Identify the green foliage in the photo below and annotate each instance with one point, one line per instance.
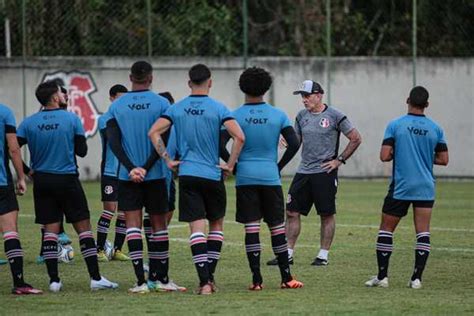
(214, 28)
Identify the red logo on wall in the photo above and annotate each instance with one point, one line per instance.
(80, 86)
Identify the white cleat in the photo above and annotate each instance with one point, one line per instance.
(415, 284)
(139, 289)
(102, 284)
(165, 287)
(375, 282)
(55, 287)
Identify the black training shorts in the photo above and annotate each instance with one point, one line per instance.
(8, 201)
(151, 195)
(255, 202)
(109, 188)
(399, 208)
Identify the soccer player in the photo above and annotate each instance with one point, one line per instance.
(54, 138)
(142, 182)
(318, 127)
(63, 237)
(258, 185)
(197, 120)
(8, 202)
(414, 142)
(109, 191)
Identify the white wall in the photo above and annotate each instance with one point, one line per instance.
(370, 91)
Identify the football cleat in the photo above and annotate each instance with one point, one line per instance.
(64, 239)
(55, 286)
(206, 289)
(101, 256)
(375, 282)
(25, 289)
(293, 284)
(319, 262)
(415, 284)
(3, 261)
(139, 289)
(120, 256)
(274, 261)
(102, 284)
(158, 286)
(40, 260)
(256, 287)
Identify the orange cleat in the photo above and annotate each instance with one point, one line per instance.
(293, 284)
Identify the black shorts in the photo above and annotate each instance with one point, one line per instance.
(172, 196)
(109, 188)
(318, 188)
(8, 201)
(399, 208)
(255, 202)
(151, 195)
(201, 198)
(58, 194)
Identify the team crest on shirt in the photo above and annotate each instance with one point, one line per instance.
(324, 122)
(80, 86)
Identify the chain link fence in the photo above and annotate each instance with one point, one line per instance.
(219, 28)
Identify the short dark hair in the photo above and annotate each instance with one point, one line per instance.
(116, 89)
(199, 73)
(255, 81)
(168, 96)
(418, 97)
(45, 91)
(140, 71)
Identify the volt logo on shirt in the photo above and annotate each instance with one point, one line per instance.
(139, 106)
(417, 131)
(254, 120)
(48, 127)
(194, 111)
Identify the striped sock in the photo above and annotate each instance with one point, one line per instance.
(89, 253)
(50, 255)
(120, 231)
(280, 249)
(253, 250)
(422, 251)
(14, 255)
(384, 251)
(198, 245)
(103, 228)
(215, 239)
(158, 252)
(135, 247)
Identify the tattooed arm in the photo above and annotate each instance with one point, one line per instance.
(155, 134)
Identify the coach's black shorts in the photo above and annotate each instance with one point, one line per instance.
(399, 208)
(58, 194)
(201, 198)
(151, 195)
(172, 196)
(318, 188)
(8, 201)
(255, 202)
(109, 188)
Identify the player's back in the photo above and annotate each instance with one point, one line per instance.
(197, 120)
(135, 113)
(262, 124)
(50, 137)
(7, 122)
(415, 140)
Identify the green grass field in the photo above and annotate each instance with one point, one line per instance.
(337, 288)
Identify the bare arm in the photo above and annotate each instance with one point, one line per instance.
(15, 154)
(441, 158)
(354, 141)
(238, 136)
(155, 134)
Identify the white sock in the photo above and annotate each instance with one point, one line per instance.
(323, 254)
(290, 253)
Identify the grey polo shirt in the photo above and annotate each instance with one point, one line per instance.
(319, 134)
